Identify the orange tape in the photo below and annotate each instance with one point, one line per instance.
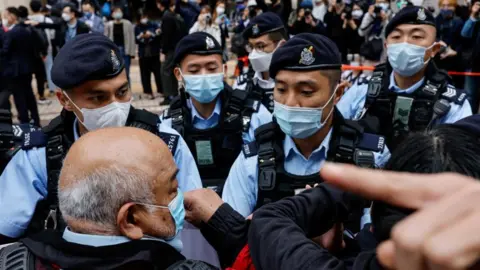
(453, 73)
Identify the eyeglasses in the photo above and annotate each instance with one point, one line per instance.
(260, 47)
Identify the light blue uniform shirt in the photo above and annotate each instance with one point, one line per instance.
(24, 183)
(241, 188)
(263, 116)
(353, 101)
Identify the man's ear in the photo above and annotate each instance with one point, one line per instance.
(340, 90)
(126, 223)
(178, 74)
(433, 50)
(280, 44)
(64, 100)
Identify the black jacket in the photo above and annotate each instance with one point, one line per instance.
(226, 231)
(61, 31)
(280, 232)
(173, 29)
(17, 52)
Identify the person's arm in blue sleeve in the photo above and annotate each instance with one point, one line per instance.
(468, 27)
(240, 190)
(353, 101)
(280, 233)
(22, 184)
(457, 112)
(263, 116)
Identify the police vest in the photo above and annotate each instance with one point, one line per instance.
(349, 144)
(264, 95)
(57, 138)
(401, 113)
(215, 149)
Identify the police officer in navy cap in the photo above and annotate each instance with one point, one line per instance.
(408, 92)
(94, 93)
(307, 129)
(213, 119)
(265, 34)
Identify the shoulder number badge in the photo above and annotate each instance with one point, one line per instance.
(306, 58)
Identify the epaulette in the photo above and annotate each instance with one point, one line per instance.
(372, 142)
(171, 140)
(34, 139)
(454, 95)
(242, 79)
(250, 149)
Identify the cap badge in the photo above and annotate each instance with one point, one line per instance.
(210, 43)
(255, 30)
(115, 61)
(306, 58)
(421, 16)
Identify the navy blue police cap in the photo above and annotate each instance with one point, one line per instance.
(87, 57)
(306, 52)
(410, 15)
(263, 24)
(470, 124)
(199, 43)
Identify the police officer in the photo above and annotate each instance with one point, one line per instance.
(265, 34)
(408, 93)
(307, 129)
(213, 119)
(94, 94)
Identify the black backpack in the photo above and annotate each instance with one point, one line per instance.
(40, 40)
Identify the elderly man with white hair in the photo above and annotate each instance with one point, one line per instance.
(119, 195)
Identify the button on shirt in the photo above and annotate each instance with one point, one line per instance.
(241, 188)
(24, 183)
(263, 116)
(353, 101)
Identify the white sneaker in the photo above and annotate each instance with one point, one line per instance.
(44, 101)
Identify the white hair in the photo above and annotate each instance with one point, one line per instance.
(97, 197)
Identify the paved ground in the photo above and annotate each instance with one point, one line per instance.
(48, 112)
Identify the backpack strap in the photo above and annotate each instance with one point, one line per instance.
(16, 256)
(175, 112)
(6, 131)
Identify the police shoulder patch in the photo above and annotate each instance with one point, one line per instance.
(34, 139)
(454, 95)
(250, 149)
(372, 142)
(171, 140)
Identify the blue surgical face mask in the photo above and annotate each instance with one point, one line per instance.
(301, 122)
(203, 88)
(447, 13)
(177, 210)
(406, 59)
(88, 15)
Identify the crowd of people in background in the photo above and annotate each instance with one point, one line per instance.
(150, 33)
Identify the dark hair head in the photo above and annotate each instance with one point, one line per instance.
(279, 35)
(446, 148)
(74, 10)
(117, 8)
(23, 12)
(84, 3)
(36, 5)
(13, 11)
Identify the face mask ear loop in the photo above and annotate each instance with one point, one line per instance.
(73, 103)
(333, 108)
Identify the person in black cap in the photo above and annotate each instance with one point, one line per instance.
(408, 93)
(265, 34)
(307, 130)
(213, 119)
(94, 93)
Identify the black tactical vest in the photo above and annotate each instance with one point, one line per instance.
(265, 96)
(215, 149)
(401, 113)
(57, 138)
(349, 144)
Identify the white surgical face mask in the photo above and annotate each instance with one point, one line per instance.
(220, 10)
(5, 22)
(66, 17)
(357, 14)
(260, 60)
(114, 114)
(144, 21)
(117, 15)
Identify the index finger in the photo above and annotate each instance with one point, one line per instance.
(401, 189)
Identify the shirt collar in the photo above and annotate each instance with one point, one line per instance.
(289, 146)
(265, 84)
(196, 114)
(93, 240)
(393, 86)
